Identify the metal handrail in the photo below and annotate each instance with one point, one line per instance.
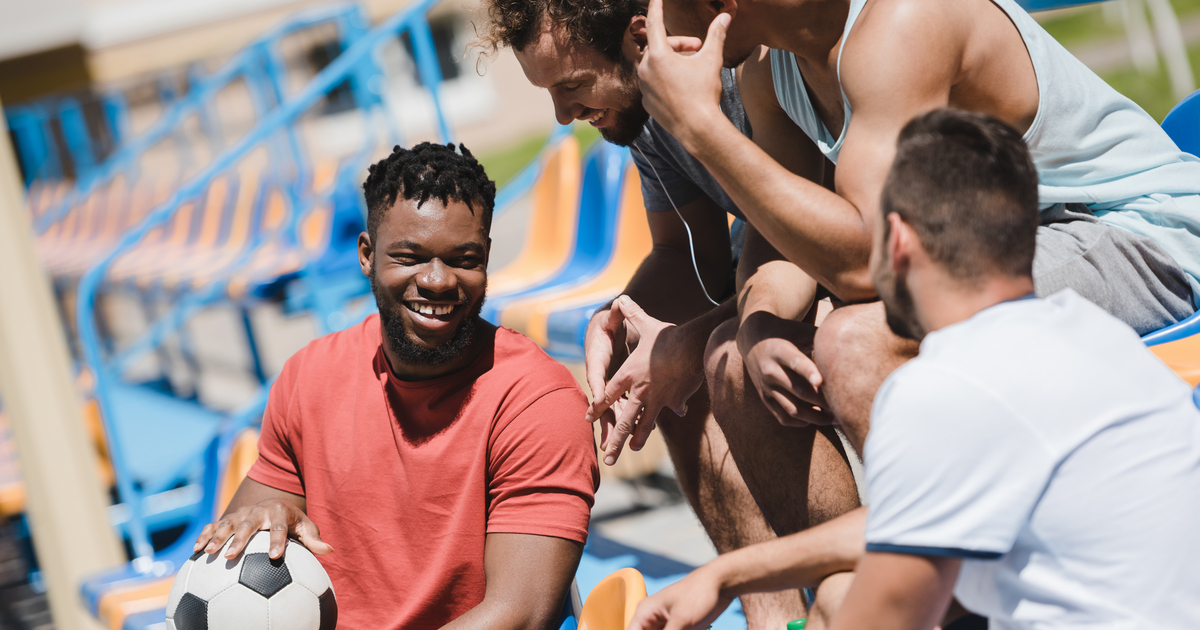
(244, 63)
(348, 65)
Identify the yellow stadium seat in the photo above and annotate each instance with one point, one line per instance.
(610, 606)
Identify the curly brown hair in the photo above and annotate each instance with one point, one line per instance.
(600, 24)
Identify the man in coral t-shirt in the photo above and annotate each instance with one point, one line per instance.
(446, 460)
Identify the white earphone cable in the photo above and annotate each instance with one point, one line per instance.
(686, 227)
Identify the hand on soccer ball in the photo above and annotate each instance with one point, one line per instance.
(281, 518)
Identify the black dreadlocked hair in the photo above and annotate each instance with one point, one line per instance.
(428, 171)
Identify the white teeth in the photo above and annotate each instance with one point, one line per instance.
(595, 117)
(430, 309)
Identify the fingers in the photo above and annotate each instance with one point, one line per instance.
(714, 42)
(617, 387)
(221, 531)
(279, 530)
(649, 615)
(644, 427)
(684, 44)
(627, 413)
(241, 537)
(801, 364)
(656, 30)
(637, 321)
(606, 423)
(310, 536)
(205, 536)
(598, 357)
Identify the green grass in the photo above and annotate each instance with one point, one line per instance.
(1087, 23)
(503, 164)
(1151, 91)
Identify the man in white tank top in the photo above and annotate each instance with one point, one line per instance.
(999, 468)
(1120, 203)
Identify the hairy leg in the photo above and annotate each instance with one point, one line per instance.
(714, 487)
(855, 351)
(789, 478)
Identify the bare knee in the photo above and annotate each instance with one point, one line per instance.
(848, 335)
(855, 351)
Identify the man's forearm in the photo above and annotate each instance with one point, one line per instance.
(800, 560)
(813, 227)
(498, 615)
(779, 288)
(528, 577)
(665, 284)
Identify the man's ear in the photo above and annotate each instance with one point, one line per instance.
(633, 44)
(365, 254)
(901, 240)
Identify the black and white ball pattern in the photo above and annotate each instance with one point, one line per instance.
(252, 591)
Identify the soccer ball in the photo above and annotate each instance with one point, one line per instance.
(252, 591)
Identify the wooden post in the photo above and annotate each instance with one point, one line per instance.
(64, 499)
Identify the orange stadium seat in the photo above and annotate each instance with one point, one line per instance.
(551, 224)
(633, 243)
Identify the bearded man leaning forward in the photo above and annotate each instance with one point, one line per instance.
(746, 476)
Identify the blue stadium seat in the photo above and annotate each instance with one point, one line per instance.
(595, 231)
(1183, 124)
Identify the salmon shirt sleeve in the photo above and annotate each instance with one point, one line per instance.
(278, 462)
(543, 469)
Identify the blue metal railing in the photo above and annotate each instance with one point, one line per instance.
(259, 63)
(355, 64)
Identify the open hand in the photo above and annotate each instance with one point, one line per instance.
(281, 518)
(631, 400)
(777, 355)
(691, 603)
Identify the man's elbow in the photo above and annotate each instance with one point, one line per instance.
(853, 285)
(538, 616)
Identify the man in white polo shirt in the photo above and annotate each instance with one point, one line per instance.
(1035, 457)
(1035, 460)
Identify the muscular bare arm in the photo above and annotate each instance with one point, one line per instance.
(813, 227)
(898, 591)
(528, 578)
(888, 82)
(887, 79)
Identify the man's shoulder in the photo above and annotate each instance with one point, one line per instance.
(335, 351)
(522, 363)
(891, 38)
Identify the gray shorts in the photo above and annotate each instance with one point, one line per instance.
(1126, 274)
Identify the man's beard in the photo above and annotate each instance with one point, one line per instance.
(898, 305)
(629, 120)
(409, 352)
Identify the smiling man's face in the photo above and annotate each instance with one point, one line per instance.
(585, 85)
(428, 270)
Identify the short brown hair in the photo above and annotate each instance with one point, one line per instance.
(600, 24)
(966, 184)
